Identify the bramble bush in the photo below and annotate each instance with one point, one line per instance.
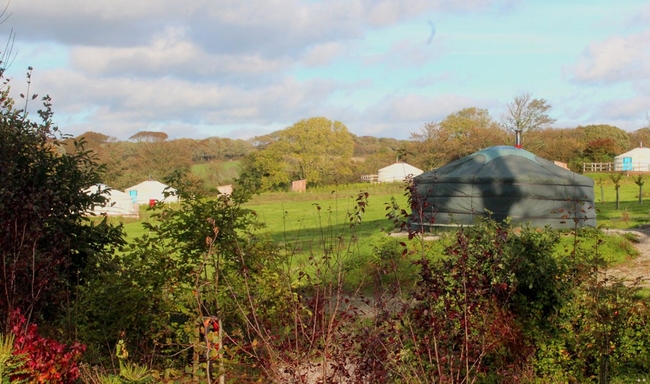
(502, 306)
(498, 304)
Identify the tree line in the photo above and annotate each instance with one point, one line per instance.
(324, 152)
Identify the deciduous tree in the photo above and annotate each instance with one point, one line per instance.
(316, 149)
(458, 135)
(526, 114)
(640, 137)
(150, 136)
(45, 235)
(561, 144)
(603, 141)
(264, 171)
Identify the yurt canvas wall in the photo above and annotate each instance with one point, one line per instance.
(397, 172)
(118, 203)
(636, 160)
(508, 182)
(149, 190)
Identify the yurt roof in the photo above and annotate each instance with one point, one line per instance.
(113, 193)
(505, 163)
(402, 166)
(149, 185)
(639, 152)
(117, 202)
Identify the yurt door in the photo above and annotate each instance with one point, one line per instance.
(627, 164)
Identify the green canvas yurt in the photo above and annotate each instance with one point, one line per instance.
(508, 182)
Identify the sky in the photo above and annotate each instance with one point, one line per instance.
(385, 68)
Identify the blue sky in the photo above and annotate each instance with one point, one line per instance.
(228, 68)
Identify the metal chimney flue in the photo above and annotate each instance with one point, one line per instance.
(517, 138)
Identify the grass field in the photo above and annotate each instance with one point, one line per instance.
(630, 213)
(293, 216)
(200, 169)
(319, 221)
(288, 215)
(324, 221)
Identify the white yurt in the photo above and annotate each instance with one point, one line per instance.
(397, 172)
(150, 191)
(636, 160)
(118, 203)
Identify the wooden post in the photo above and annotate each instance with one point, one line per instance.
(195, 352)
(222, 378)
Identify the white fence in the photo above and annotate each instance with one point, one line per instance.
(369, 178)
(618, 167)
(597, 167)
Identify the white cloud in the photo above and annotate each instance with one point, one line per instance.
(102, 9)
(197, 66)
(629, 112)
(147, 102)
(616, 59)
(400, 115)
(122, 105)
(323, 54)
(625, 112)
(102, 22)
(642, 16)
(170, 55)
(227, 26)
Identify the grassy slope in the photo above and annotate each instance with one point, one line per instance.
(295, 218)
(200, 169)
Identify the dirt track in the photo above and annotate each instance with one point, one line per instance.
(638, 267)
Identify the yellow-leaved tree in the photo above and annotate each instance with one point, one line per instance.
(316, 149)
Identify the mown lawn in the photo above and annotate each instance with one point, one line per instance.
(631, 213)
(340, 222)
(310, 216)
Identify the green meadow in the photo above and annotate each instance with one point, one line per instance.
(291, 216)
(201, 169)
(331, 221)
(631, 213)
(294, 216)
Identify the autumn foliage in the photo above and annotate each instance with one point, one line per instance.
(46, 360)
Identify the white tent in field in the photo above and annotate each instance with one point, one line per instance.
(397, 172)
(117, 203)
(149, 191)
(636, 160)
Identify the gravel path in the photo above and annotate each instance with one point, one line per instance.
(640, 266)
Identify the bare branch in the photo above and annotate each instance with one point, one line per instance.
(427, 132)
(7, 55)
(527, 114)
